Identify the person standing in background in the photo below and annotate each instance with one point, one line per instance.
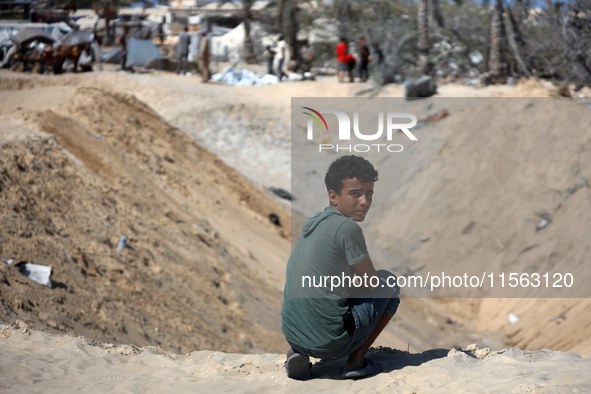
(270, 56)
(96, 47)
(364, 60)
(123, 48)
(280, 49)
(204, 58)
(342, 65)
(183, 51)
(379, 53)
(161, 30)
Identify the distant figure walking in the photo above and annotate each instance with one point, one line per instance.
(364, 60)
(281, 48)
(307, 55)
(183, 51)
(270, 56)
(204, 58)
(379, 53)
(123, 48)
(96, 48)
(161, 30)
(342, 65)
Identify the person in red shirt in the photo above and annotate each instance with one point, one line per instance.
(342, 65)
(351, 61)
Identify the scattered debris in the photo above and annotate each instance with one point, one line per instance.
(281, 193)
(583, 182)
(543, 214)
(121, 244)
(243, 78)
(530, 247)
(545, 221)
(424, 239)
(8, 261)
(453, 322)
(275, 219)
(559, 317)
(542, 224)
(434, 117)
(513, 318)
(64, 151)
(38, 273)
(499, 243)
(424, 87)
(469, 228)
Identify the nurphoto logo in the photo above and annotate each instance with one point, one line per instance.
(392, 120)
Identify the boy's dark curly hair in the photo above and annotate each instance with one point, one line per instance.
(349, 167)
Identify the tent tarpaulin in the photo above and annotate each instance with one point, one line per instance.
(140, 52)
(77, 37)
(29, 35)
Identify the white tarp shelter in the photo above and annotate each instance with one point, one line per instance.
(56, 30)
(230, 46)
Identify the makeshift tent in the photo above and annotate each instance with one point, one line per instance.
(56, 30)
(77, 37)
(230, 46)
(139, 53)
(29, 35)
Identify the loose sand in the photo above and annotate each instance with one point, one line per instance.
(41, 362)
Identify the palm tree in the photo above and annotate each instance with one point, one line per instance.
(423, 19)
(496, 66)
(287, 23)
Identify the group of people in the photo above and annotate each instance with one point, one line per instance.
(183, 53)
(346, 61)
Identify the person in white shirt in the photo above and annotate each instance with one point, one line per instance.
(280, 50)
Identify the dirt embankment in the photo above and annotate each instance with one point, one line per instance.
(195, 268)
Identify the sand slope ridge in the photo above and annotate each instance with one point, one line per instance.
(42, 362)
(102, 165)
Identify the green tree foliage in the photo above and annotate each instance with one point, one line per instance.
(474, 39)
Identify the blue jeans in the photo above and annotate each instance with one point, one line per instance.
(280, 69)
(367, 313)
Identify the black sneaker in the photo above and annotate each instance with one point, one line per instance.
(298, 366)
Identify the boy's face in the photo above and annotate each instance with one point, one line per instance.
(354, 200)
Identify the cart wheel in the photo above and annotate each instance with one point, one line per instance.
(38, 68)
(19, 67)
